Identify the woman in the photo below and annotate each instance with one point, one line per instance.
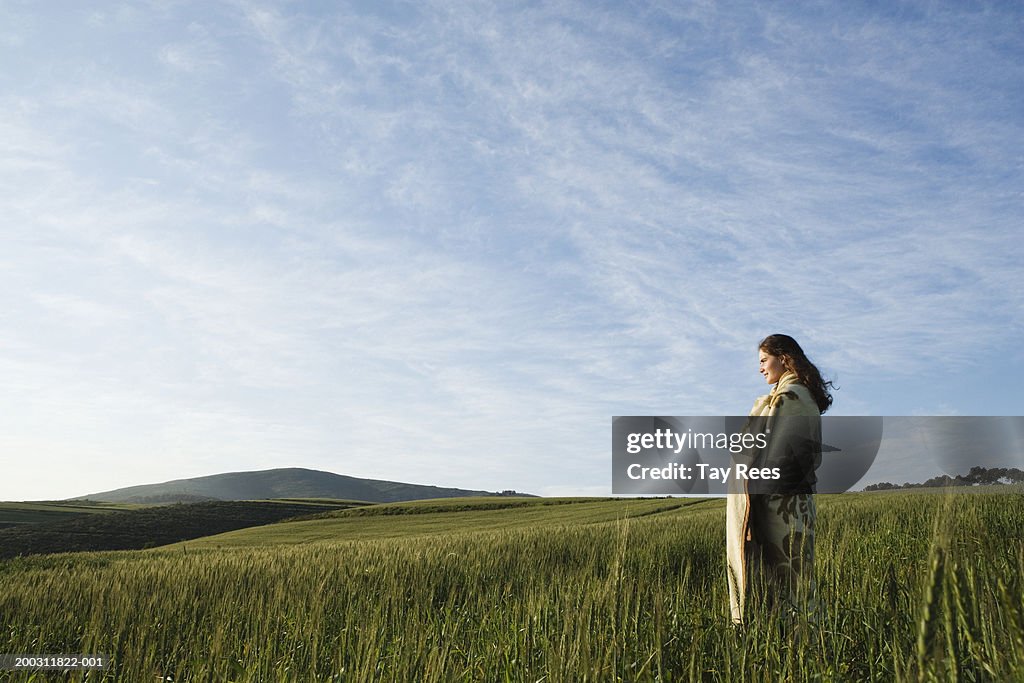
(770, 529)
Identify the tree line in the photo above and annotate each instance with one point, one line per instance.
(977, 476)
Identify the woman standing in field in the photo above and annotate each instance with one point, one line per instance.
(770, 524)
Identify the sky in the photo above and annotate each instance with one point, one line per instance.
(446, 242)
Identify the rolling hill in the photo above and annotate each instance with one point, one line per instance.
(43, 511)
(292, 482)
(152, 526)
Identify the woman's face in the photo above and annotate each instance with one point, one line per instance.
(771, 366)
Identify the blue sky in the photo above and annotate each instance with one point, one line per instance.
(445, 243)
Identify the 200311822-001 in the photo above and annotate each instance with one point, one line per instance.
(23, 662)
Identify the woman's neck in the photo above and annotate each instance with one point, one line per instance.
(787, 378)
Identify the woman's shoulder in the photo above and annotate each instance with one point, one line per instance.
(796, 399)
(761, 405)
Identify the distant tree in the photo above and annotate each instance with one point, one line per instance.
(1010, 474)
(943, 480)
(976, 476)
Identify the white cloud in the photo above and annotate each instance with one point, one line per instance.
(483, 230)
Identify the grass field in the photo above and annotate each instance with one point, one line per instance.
(120, 527)
(14, 514)
(913, 587)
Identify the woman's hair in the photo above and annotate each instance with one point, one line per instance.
(794, 358)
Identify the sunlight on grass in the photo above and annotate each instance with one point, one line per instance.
(913, 587)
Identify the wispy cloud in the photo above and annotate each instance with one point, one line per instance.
(446, 244)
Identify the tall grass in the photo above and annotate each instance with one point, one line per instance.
(912, 588)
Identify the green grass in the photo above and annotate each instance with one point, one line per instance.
(443, 518)
(913, 587)
(36, 512)
(322, 502)
(149, 526)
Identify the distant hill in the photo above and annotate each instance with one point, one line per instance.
(292, 482)
(42, 511)
(152, 526)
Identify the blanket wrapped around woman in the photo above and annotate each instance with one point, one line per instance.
(770, 524)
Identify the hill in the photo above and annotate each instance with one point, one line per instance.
(42, 511)
(292, 482)
(151, 526)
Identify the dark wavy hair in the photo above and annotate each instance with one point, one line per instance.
(793, 358)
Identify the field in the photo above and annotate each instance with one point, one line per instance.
(56, 527)
(16, 514)
(913, 586)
